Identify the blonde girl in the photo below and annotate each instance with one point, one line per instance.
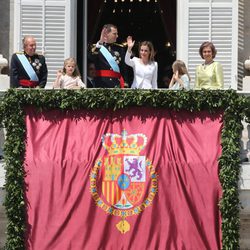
(69, 77)
(180, 78)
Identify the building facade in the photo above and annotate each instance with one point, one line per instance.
(61, 30)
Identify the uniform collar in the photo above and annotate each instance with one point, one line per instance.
(29, 55)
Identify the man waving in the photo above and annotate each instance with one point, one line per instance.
(109, 59)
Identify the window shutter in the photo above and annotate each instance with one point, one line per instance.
(55, 39)
(32, 24)
(242, 55)
(209, 20)
(50, 22)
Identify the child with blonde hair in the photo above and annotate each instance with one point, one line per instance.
(180, 78)
(69, 77)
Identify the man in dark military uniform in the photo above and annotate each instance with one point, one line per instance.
(90, 74)
(108, 57)
(27, 68)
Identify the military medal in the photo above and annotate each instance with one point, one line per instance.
(37, 65)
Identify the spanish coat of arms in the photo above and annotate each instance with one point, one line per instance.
(118, 180)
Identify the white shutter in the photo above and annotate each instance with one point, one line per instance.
(208, 20)
(241, 45)
(54, 39)
(32, 23)
(52, 23)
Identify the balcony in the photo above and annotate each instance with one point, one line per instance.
(244, 181)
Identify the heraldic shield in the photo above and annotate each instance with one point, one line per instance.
(118, 180)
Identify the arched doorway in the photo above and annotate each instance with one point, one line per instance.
(153, 20)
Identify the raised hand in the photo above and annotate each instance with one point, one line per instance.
(59, 73)
(177, 75)
(130, 42)
(103, 37)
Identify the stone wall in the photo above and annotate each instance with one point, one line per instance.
(3, 220)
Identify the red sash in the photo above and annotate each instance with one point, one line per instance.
(28, 83)
(112, 74)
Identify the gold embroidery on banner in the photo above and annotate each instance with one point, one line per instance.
(117, 180)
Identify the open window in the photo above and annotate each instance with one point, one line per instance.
(176, 28)
(144, 20)
(52, 24)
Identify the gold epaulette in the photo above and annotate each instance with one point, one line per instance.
(20, 52)
(118, 44)
(93, 49)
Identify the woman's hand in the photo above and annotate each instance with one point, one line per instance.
(130, 43)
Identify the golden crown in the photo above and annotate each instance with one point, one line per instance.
(123, 143)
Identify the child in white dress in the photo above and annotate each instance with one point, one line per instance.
(180, 78)
(69, 77)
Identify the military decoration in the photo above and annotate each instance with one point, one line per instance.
(37, 65)
(117, 57)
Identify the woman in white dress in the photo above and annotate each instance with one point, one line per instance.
(145, 68)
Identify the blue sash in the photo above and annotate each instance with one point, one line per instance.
(110, 59)
(28, 68)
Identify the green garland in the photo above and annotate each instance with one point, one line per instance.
(235, 108)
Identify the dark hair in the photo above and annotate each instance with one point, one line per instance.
(151, 49)
(207, 44)
(108, 27)
(90, 64)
